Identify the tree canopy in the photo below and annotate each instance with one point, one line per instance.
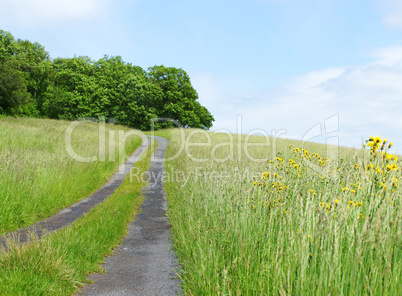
(32, 84)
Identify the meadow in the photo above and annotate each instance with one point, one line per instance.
(250, 215)
(41, 172)
(284, 218)
(60, 262)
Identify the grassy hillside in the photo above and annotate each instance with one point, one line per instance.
(40, 177)
(59, 263)
(295, 223)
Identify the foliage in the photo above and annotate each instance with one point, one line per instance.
(71, 88)
(179, 99)
(12, 89)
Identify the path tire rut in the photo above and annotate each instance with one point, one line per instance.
(145, 263)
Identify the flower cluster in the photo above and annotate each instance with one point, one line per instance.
(298, 173)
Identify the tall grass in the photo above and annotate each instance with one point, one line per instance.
(321, 227)
(59, 263)
(39, 177)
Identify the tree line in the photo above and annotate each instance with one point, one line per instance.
(33, 84)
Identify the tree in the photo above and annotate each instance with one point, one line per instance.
(8, 46)
(70, 88)
(12, 90)
(28, 63)
(179, 98)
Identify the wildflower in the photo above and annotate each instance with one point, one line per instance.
(336, 201)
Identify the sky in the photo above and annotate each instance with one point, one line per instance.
(318, 70)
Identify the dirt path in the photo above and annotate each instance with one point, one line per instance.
(72, 213)
(145, 263)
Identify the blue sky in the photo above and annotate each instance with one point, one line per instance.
(283, 65)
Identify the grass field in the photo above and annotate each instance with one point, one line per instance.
(279, 219)
(295, 223)
(38, 176)
(59, 263)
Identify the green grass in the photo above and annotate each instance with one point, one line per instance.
(235, 235)
(334, 230)
(39, 177)
(59, 263)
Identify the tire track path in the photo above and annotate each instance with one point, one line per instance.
(68, 215)
(145, 263)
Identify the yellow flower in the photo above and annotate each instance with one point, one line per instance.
(336, 201)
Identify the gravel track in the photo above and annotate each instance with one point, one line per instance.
(145, 263)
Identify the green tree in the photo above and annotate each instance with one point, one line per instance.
(179, 98)
(13, 92)
(8, 46)
(70, 88)
(27, 63)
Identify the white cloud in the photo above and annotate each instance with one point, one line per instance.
(367, 98)
(388, 56)
(392, 13)
(44, 12)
